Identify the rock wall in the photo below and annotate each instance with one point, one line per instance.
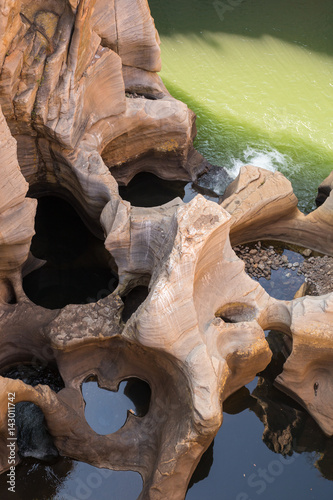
(80, 92)
(17, 215)
(79, 80)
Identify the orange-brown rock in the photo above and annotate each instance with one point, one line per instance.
(308, 373)
(177, 340)
(70, 71)
(80, 91)
(16, 218)
(263, 206)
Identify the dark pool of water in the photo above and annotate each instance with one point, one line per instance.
(70, 480)
(292, 459)
(147, 190)
(244, 467)
(240, 464)
(78, 267)
(42, 473)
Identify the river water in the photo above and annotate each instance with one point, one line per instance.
(259, 75)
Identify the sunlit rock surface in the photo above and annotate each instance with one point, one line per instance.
(264, 206)
(69, 70)
(16, 218)
(81, 96)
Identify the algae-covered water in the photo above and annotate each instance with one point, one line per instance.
(259, 75)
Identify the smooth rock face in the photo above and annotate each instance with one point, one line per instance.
(79, 90)
(308, 372)
(16, 218)
(264, 206)
(66, 66)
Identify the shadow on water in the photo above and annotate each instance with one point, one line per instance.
(221, 138)
(250, 460)
(42, 473)
(268, 443)
(68, 479)
(78, 267)
(308, 22)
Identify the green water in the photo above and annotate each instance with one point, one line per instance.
(259, 75)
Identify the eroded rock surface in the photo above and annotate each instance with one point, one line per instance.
(264, 206)
(80, 92)
(16, 218)
(65, 69)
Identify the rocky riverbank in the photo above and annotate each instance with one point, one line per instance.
(261, 259)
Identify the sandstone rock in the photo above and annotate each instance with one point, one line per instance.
(324, 189)
(198, 336)
(62, 89)
(264, 206)
(16, 218)
(307, 374)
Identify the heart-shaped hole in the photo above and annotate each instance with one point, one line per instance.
(106, 411)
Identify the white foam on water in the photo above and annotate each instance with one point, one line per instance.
(269, 159)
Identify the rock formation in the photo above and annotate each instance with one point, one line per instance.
(264, 206)
(69, 70)
(81, 96)
(16, 218)
(325, 189)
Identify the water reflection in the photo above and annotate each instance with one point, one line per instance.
(62, 478)
(284, 282)
(106, 411)
(33, 438)
(292, 445)
(70, 480)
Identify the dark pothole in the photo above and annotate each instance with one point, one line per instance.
(236, 312)
(148, 190)
(78, 268)
(106, 411)
(133, 300)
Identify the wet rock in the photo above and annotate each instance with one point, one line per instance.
(33, 438)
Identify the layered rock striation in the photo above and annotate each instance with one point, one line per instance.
(81, 95)
(69, 71)
(16, 218)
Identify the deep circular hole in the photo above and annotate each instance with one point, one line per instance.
(148, 190)
(78, 267)
(106, 411)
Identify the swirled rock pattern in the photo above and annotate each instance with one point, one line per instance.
(81, 95)
(264, 206)
(16, 218)
(65, 69)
